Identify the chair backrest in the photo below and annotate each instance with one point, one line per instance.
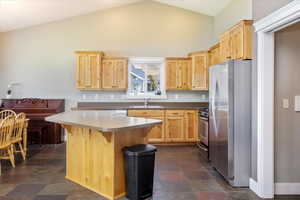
(18, 128)
(6, 113)
(6, 128)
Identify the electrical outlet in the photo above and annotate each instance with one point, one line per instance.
(297, 103)
(285, 103)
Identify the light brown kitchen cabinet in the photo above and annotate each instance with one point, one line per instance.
(241, 40)
(179, 126)
(88, 70)
(114, 73)
(236, 43)
(157, 133)
(175, 129)
(191, 125)
(178, 73)
(225, 46)
(175, 124)
(199, 70)
(214, 55)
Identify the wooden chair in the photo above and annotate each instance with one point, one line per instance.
(6, 113)
(18, 133)
(6, 128)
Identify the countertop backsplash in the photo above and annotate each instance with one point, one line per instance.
(119, 96)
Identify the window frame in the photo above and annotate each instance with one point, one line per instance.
(148, 60)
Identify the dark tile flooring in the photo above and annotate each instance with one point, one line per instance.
(180, 174)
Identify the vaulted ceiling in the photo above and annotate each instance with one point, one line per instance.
(15, 14)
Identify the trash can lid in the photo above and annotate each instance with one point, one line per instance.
(139, 149)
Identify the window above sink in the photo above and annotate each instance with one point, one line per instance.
(146, 78)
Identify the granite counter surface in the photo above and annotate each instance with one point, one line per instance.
(104, 121)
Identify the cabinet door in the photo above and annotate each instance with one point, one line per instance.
(214, 56)
(88, 71)
(93, 72)
(191, 125)
(237, 44)
(184, 78)
(200, 72)
(172, 74)
(108, 81)
(82, 63)
(157, 133)
(120, 74)
(225, 47)
(175, 129)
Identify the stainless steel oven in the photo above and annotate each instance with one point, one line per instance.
(203, 122)
(203, 129)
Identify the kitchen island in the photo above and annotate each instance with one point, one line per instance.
(95, 140)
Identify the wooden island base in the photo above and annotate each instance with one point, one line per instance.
(95, 159)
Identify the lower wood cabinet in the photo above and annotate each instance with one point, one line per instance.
(175, 129)
(191, 125)
(157, 133)
(178, 125)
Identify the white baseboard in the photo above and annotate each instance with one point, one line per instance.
(287, 188)
(253, 186)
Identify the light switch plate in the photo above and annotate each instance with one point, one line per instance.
(297, 103)
(285, 103)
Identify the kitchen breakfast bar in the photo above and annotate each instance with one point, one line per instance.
(95, 140)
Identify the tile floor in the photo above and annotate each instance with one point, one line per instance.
(181, 174)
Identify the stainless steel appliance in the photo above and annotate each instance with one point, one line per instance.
(203, 127)
(230, 120)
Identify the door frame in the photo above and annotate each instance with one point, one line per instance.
(265, 28)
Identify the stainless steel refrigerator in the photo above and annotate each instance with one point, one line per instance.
(230, 120)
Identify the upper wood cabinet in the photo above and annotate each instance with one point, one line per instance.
(214, 55)
(88, 70)
(225, 46)
(178, 73)
(241, 40)
(237, 42)
(199, 70)
(114, 73)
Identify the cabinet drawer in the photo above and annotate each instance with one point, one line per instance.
(138, 113)
(156, 113)
(145, 113)
(175, 112)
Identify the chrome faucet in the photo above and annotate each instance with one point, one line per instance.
(146, 101)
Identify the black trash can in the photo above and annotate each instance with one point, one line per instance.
(139, 171)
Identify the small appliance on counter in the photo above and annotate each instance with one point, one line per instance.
(203, 123)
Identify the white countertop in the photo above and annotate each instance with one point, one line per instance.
(104, 121)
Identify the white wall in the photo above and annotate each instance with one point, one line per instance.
(234, 12)
(260, 10)
(42, 58)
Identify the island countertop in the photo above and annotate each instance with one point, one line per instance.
(104, 121)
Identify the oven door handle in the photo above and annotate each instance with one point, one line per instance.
(205, 119)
